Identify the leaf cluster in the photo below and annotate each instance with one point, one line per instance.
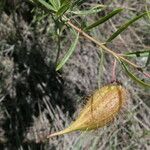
(64, 10)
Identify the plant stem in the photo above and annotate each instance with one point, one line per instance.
(114, 71)
(116, 55)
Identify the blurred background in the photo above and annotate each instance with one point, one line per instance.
(35, 100)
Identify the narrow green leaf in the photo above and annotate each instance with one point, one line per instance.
(148, 60)
(62, 1)
(46, 5)
(79, 2)
(133, 77)
(55, 4)
(52, 2)
(68, 54)
(63, 9)
(125, 26)
(65, 2)
(145, 53)
(87, 12)
(103, 19)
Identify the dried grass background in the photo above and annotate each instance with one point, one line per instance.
(36, 101)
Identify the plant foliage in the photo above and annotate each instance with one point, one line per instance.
(62, 12)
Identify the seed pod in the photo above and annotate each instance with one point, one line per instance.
(102, 107)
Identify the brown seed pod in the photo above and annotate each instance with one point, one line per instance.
(102, 107)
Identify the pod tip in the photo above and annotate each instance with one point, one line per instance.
(58, 133)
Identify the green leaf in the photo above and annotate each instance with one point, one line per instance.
(78, 2)
(103, 19)
(64, 7)
(46, 5)
(55, 4)
(145, 53)
(133, 77)
(68, 54)
(125, 26)
(88, 12)
(64, 2)
(148, 60)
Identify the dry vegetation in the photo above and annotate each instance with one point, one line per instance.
(35, 100)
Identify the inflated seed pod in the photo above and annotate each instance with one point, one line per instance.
(101, 108)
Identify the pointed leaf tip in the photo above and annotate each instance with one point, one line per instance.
(68, 54)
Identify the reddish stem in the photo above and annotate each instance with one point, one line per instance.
(114, 71)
